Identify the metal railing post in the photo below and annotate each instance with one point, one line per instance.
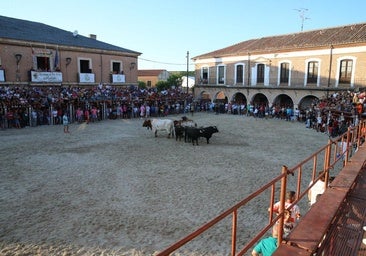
(282, 203)
(233, 232)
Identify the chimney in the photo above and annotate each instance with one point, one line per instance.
(93, 36)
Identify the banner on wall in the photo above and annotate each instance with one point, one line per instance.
(2, 75)
(50, 77)
(86, 78)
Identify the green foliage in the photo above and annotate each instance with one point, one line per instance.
(183, 73)
(175, 80)
(162, 85)
(141, 84)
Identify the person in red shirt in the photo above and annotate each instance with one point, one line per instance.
(87, 115)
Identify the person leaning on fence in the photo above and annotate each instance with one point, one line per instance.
(317, 189)
(288, 225)
(268, 245)
(295, 210)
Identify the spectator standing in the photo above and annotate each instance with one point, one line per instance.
(16, 119)
(87, 116)
(54, 116)
(295, 210)
(267, 246)
(288, 225)
(34, 117)
(142, 111)
(94, 114)
(79, 115)
(317, 189)
(65, 121)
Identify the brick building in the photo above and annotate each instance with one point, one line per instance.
(36, 54)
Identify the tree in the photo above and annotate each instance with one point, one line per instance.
(141, 84)
(175, 80)
(162, 85)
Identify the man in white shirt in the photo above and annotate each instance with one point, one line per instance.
(317, 189)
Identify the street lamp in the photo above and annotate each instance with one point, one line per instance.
(68, 61)
(18, 57)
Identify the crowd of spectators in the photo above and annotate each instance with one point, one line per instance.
(45, 105)
(23, 106)
(332, 115)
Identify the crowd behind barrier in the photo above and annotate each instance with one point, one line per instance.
(33, 106)
(331, 115)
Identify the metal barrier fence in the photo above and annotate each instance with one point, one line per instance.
(330, 159)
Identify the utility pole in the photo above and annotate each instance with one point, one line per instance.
(302, 16)
(187, 68)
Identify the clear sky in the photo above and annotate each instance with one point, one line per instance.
(164, 30)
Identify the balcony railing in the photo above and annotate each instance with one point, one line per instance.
(294, 83)
(86, 78)
(118, 78)
(48, 77)
(2, 75)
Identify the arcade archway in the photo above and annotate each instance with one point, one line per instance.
(283, 100)
(239, 98)
(260, 99)
(307, 102)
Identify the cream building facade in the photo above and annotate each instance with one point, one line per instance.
(294, 69)
(151, 76)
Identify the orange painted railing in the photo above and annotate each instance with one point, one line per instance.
(331, 158)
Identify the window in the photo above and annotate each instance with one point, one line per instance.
(313, 67)
(204, 75)
(239, 74)
(260, 73)
(346, 71)
(116, 67)
(148, 84)
(221, 74)
(43, 64)
(84, 66)
(284, 72)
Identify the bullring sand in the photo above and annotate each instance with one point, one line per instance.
(112, 188)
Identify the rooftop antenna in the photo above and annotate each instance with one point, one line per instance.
(302, 16)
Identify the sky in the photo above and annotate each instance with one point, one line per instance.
(166, 32)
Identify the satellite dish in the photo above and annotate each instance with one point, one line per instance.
(75, 33)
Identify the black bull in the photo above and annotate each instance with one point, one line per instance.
(193, 133)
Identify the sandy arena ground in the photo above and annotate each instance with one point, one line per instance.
(112, 188)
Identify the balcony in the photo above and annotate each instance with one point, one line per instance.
(2, 75)
(86, 78)
(118, 78)
(45, 77)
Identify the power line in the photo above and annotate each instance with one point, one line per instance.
(167, 63)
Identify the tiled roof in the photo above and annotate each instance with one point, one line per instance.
(149, 72)
(350, 34)
(17, 29)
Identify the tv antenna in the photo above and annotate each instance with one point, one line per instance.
(302, 16)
